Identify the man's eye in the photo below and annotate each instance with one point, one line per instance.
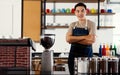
(82, 10)
(78, 11)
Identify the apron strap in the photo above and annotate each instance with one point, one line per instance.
(86, 25)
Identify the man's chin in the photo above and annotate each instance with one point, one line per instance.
(80, 18)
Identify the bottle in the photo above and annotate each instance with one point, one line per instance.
(111, 50)
(107, 50)
(115, 49)
(111, 47)
(100, 51)
(103, 50)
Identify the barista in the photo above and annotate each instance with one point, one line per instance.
(81, 36)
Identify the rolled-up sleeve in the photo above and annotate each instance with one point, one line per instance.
(92, 28)
(71, 26)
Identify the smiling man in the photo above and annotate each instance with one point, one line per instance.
(81, 36)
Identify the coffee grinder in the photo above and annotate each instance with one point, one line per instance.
(47, 41)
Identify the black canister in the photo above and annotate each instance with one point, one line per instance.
(109, 66)
(113, 66)
(119, 66)
(102, 66)
(93, 66)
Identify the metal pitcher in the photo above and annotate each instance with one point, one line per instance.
(83, 63)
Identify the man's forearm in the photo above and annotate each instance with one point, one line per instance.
(73, 39)
(86, 42)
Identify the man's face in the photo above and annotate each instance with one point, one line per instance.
(80, 12)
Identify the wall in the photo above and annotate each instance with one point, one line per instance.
(13, 55)
(10, 18)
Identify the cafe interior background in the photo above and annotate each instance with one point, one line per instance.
(11, 24)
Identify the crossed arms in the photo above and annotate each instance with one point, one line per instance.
(85, 40)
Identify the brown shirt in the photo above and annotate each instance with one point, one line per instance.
(90, 26)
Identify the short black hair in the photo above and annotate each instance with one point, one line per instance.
(80, 4)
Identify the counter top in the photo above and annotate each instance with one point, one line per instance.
(56, 55)
(17, 42)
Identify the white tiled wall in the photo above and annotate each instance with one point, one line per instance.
(10, 18)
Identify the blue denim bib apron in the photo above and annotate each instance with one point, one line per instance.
(78, 50)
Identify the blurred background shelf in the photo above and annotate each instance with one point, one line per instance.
(88, 1)
(67, 14)
(50, 27)
(107, 26)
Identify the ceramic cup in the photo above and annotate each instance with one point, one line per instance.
(68, 10)
(87, 10)
(53, 10)
(47, 10)
(102, 10)
(72, 10)
(63, 10)
(109, 10)
(93, 11)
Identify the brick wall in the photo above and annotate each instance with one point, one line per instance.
(8, 58)
(23, 57)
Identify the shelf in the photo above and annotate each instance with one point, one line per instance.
(107, 26)
(72, 14)
(107, 13)
(90, 14)
(50, 27)
(71, 1)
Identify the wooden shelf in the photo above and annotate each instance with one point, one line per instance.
(72, 14)
(90, 14)
(71, 1)
(50, 27)
(107, 26)
(107, 13)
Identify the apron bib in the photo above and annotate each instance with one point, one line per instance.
(79, 50)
